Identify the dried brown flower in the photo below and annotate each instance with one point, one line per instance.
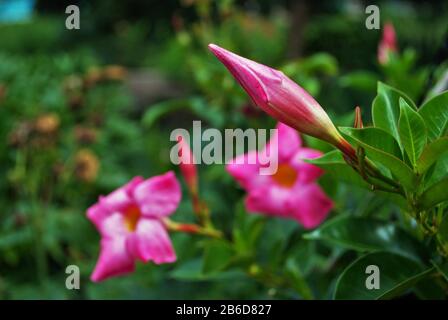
(86, 165)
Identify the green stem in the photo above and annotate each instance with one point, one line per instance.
(37, 220)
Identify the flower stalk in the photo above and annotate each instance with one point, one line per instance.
(192, 228)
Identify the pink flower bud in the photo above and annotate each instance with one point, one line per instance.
(388, 43)
(187, 166)
(282, 98)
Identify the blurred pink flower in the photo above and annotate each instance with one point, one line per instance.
(282, 98)
(388, 43)
(292, 192)
(130, 223)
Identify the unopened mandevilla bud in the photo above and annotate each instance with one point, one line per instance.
(283, 99)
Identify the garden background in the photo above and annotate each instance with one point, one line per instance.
(83, 111)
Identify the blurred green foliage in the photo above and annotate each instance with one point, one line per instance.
(71, 132)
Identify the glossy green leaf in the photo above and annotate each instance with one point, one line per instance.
(435, 194)
(381, 147)
(440, 169)
(367, 234)
(397, 274)
(334, 165)
(435, 114)
(431, 153)
(376, 138)
(386, 108)
(412, 131)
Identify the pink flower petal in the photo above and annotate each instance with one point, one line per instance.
(97, 213)
(245, 169)
(158, 196)
(151, 242)
(114, 202)
(113, 226)
(306, 172)
(121, 197)
(114, 260)
(311, 205)
(270, 200)
(305, 203)
(288, 140)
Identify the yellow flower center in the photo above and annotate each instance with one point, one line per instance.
(285, 176)
(131, 216)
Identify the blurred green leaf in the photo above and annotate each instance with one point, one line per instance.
(412, 131)
(156, 111)
(192, 271)
(217, 256)
(367, 234)
(442, 237)
(442, 268)
(386, 109)
(12, 239)
(317, 63)
(360, 80)
(435, 114)
(397, 274)
(298, 280)
(246, 230)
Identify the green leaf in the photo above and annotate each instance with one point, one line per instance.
(440, 169)
(429, 290)
(376, 138)
(12, 239)
(361, 80)
(368, 234)
(397, 274)
(192, 271)
(297, 279)
(381, 147)
(318, 63)
(435, 194)
(386, 109)
(442, 237)
(431, 153)
(217, 256)
(435, 114)
(161, 109)
(334, 165)
(442, 268)
(412, 131)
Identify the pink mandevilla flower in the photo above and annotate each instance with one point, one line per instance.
(291, 192)
(130, 224)
(388, 43)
